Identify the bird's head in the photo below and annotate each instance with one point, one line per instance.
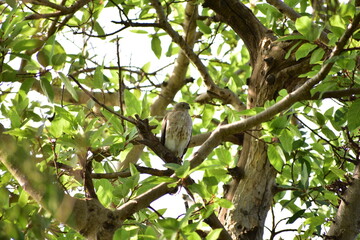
(181, 106)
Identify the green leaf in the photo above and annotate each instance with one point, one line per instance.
(114, 120)
(291, 37)
(305, 173)
(8, 76)
(121, 234)
(23, 199)
(43, 58)
(169, 223)
(286, 139)
(353, 115)
(280, 122)
(329, 133)
(304, 50)
(214, 234)
(145, 107)
(203, 27)
(69, 87)
(57, 127)
(99, 30)
(307, 28)
(98, 77)
(183, 170)
(132, 103)
(12, 3)
(63, 113)
(140, 31)
(287, 55)
(223, 155)
(47, 88)
(315, 221)
(317, 56)
(296, 215)
(27, 84)
(27, 44)
(207, 115)
(276, 157)
(58, 59)
(156, 46)
(224, 203)
(338, 172)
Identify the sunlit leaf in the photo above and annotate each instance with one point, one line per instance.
(69, 87)
(132, 104)
(296, 215)
(27, 44)
(98, 77)
(214, 234)
(353, 115)
(47, 88)
(317, 55)
(203, 27)
(276, 157)
(156, 46)
(304, 50)
(307, 28)
(286, 139)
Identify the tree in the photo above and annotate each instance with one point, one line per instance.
(258, 76)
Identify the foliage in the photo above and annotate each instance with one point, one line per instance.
(314, 146)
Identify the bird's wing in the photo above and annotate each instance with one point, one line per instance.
(190, 128)
(187, 146)
(163, 130)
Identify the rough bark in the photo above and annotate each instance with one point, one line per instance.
(346, 224)
(242, 20)
(252, 195)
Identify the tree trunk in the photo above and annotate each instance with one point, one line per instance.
(347, 221)
(252, 195)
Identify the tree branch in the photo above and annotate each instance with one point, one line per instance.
(347, 220)
(292, 14)
(131, 120)
(285, 9)
(243, 21)
(226, 95)
(224, 130)
(178, 75)
(334, 94)
(62, 10)
(124, 174)
(87, 216)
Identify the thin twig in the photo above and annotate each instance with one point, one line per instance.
(130, 120)
(121, 84)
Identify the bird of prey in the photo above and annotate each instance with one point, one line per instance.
(176, 129)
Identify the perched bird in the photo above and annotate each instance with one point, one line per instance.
(176, 129)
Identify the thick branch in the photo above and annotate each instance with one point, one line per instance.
(216, 137)
(226, 95)
(178, 75)
(285, 9)
(123, 174)
(335, 94)
(62, 10)
(347, 221)
(243, 21)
